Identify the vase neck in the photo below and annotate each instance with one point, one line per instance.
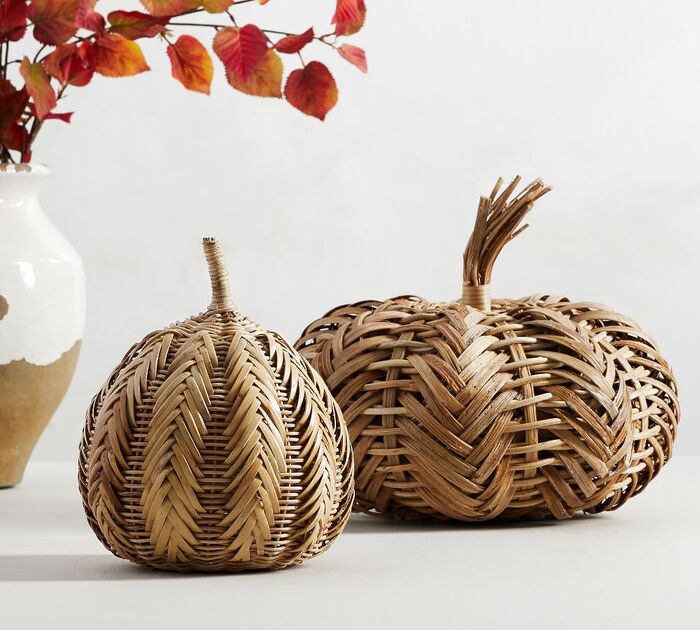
(20, 184)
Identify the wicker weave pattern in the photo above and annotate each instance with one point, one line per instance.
(527, 408)
(214, 446)
(649, 379)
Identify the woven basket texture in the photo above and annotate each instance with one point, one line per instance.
(479, 409)
(213, 446)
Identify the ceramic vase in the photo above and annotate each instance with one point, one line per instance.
(42, 315)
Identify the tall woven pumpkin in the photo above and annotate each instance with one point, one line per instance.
(213, 446)
(480, 409)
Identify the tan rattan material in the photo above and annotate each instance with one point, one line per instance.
(474, 410)
(214, 446)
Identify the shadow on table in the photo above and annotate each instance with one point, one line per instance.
(70, 568)
(92, 568)
(366, 524)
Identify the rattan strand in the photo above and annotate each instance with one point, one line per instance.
(213, 446)
(533, 408)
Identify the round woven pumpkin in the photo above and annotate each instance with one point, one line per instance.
(213, 446)
(480, 409)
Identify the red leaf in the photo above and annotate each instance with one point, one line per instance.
(38, 87)
(266, 79)
(169, 7)
(13, 135)
(116, 56)
(349, 16)
(240, 50)
(55, 21)
(88, 18)
(12, 104)
(13, 20)
(312, 90)
(17, 139)
(294, 43)
(356, 56)
(134, 24)
(191, 64)
(65, 117)
(70, 64)
(6, 87)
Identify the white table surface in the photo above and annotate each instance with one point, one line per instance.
(636, 568)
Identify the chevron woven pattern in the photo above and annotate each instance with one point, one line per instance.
(481, 409)
(214, 446)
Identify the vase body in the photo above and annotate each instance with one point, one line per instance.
(42, 316)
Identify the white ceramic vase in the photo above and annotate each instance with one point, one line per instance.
(42, 316)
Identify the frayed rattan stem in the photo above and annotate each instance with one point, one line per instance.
(497, 222)
(220, 288)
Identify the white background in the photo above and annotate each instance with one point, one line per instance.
(601, 99)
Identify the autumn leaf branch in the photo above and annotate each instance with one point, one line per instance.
(76, 42)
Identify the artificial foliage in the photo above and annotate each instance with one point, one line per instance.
(72, 41)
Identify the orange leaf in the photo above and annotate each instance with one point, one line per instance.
(356, 56)
(55, 21)
(191, 64)
(294, 43)
(38, 87)
(13, 20)
(169, 7)
(266, 79)
(134, 24)
(216, 6)
(349, 16)
(240, 50)
(312, 90)
(116, 56)
(69, 64)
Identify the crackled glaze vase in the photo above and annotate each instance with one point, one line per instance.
(42, 314)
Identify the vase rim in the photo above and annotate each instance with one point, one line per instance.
(24, 170)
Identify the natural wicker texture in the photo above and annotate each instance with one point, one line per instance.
(524, 408)
(213, 446)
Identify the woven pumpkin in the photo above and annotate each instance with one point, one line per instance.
(480, 409)
(213, 446)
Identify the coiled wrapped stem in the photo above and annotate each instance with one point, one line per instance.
(218, 273)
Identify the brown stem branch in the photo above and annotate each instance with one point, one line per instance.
(267, 31)
(38, 124)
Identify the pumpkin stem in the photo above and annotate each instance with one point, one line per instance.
(220, 289)
(497, 222)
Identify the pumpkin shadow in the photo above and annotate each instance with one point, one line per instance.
(367, 524)
(95, 567)
(73, 568)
